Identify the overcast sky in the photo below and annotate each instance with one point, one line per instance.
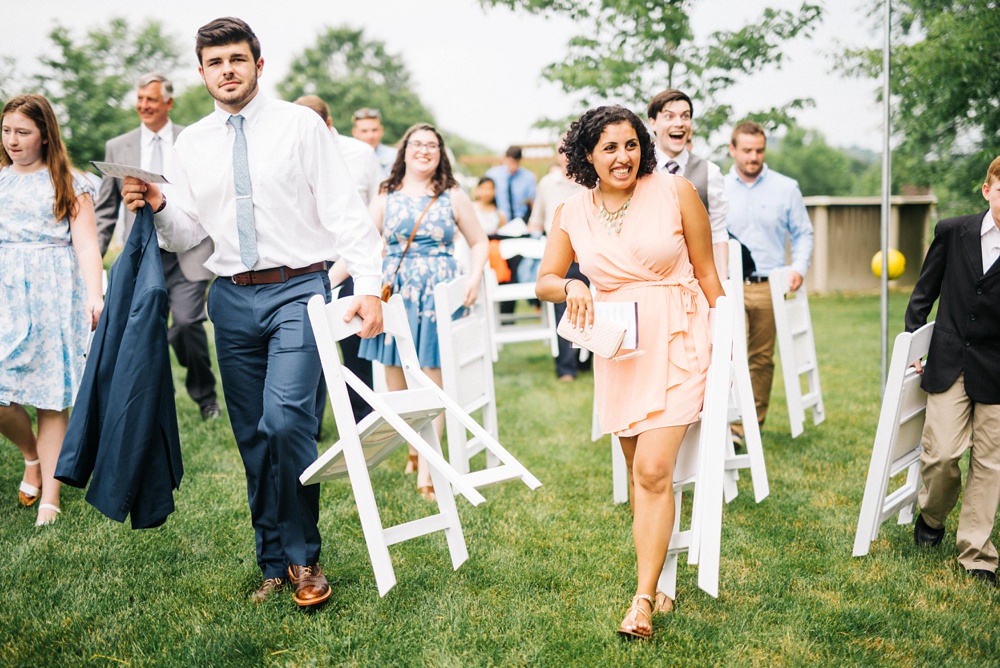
(479, 70)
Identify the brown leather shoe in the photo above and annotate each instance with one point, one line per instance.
(270, 586)
(311, 587)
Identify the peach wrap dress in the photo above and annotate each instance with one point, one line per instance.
(647, 263)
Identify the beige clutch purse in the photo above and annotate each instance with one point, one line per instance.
(604, 338)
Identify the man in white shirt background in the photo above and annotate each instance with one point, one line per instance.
(670, 116)
(150, 146)
(364, 168)
(264, 179)
(366, 125)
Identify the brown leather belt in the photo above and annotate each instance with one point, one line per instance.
(276, 275)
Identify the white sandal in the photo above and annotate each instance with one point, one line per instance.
(47, 506)
(28, 494)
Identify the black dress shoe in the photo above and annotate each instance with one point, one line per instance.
(989, 577)
(924, 535)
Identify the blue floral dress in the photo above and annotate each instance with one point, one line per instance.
(43, 323)
(430, 260)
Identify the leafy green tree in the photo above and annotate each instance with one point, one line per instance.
(89, 81)
(192, 104)
(945, 94)
(819, 168)
(635, 48)
(6, 78)
(349, 72)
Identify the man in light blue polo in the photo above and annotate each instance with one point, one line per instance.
(515, 186)
(766, 210)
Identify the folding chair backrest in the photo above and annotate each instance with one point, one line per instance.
(897, 445)
(797, 348)
(466, 367)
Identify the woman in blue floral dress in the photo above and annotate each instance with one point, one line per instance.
(421, 173)
(50, 290)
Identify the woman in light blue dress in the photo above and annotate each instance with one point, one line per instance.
(50, 291)
(422, 172)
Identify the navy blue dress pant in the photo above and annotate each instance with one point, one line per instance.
(270, 370)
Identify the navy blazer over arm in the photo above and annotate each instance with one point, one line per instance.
(123, 428)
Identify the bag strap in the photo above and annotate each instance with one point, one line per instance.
(413, 234)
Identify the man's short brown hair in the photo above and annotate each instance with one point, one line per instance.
(316, 103)
(993, 173)
(661, 100)
(747, 128)
(225, 31)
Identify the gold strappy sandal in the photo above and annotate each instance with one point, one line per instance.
(632, 633)
(663, 604)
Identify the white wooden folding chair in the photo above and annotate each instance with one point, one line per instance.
(512, 328)
(467, 376)
(397, 418)
(741, 401)
(897, 441)
(797, 349)
(740, 404)
(700, 468)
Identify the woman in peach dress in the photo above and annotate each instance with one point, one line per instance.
(640, 236)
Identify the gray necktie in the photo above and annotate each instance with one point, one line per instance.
(244, 201)
(673, 167)
(156, 156)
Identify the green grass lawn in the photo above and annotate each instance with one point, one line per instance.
(550, 572)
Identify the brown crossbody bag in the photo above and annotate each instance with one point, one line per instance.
(387, 287)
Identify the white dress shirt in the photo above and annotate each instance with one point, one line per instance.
(363, 165)
(989, 238)
(306, 208)
(166, 135)
(718, 202)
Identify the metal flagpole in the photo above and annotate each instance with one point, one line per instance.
(886, 191)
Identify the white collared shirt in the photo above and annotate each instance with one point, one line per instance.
(989, 238)
(166, 135)
(718, 202)
(306, 208)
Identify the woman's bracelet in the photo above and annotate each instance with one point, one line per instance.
(566, 285)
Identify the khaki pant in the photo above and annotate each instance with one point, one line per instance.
(760, 343)
(953, 425)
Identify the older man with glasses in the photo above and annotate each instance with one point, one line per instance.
(367, 126)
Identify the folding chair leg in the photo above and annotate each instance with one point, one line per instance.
(619, 471)
(371, 522)
(668, 576)
(446, 504)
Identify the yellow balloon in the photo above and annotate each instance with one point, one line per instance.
(897, 264)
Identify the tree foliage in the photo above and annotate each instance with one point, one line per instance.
(349, 72)
(636, 48)
(945, 89)
(88, 82)
(819, 168)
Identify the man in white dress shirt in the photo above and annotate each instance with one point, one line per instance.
(150, 146)
(670, 115)
(264, 179)
(364, 168)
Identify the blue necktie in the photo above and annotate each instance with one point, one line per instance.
(672, 167)
(244, 201)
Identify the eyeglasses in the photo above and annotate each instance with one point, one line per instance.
(362, 114)
(430, 147)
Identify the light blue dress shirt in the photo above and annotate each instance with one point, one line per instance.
(522, 184)
(763, 214)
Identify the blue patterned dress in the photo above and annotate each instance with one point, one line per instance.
(43, 322)
(430, 260)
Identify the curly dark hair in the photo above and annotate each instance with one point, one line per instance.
(443, 178)
(584, 134)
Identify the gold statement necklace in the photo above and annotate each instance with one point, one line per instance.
(612, 220)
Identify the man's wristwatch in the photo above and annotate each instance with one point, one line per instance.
(163, 203)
